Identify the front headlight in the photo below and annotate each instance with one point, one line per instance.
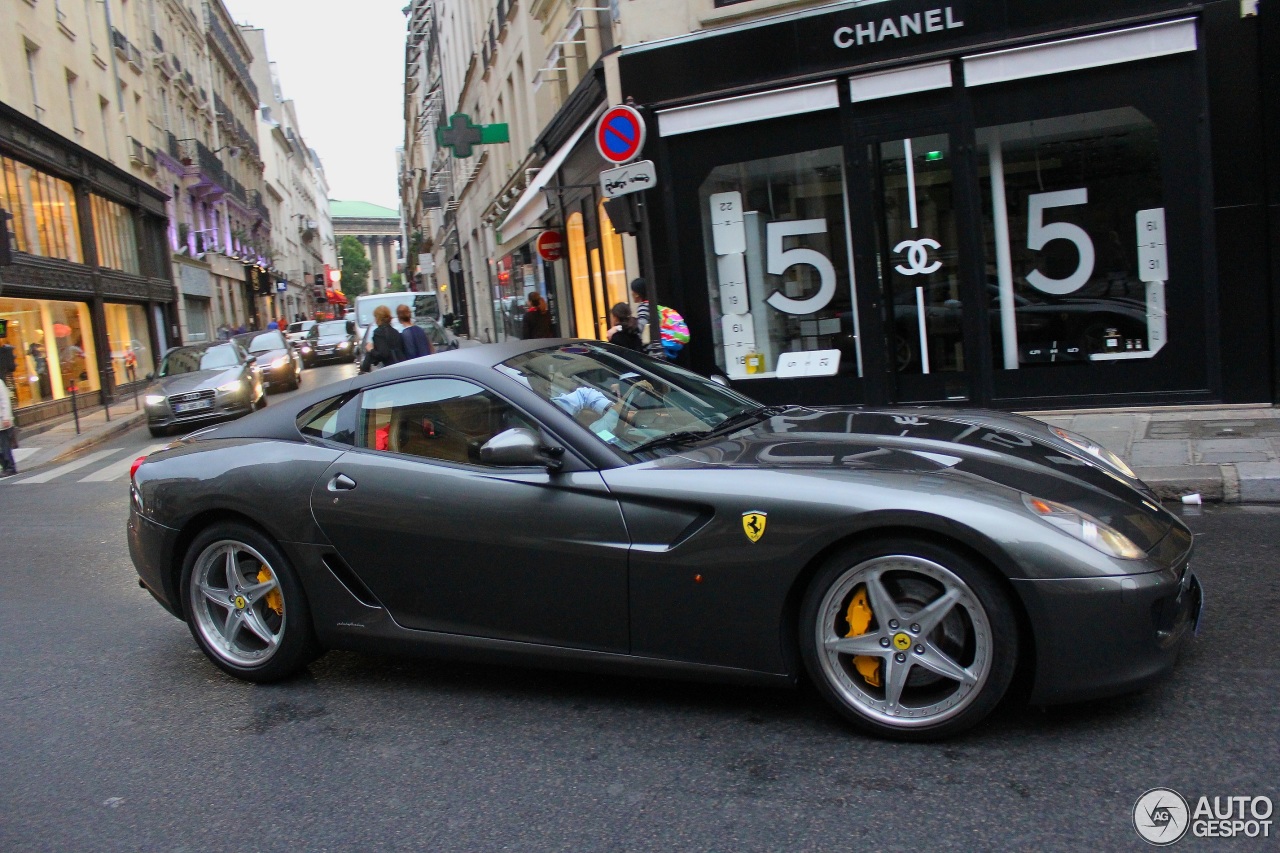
(344, 344)
(280, 362)
(154, 399)
(231, 387)
(1085, 527)
(306, 349)
(1097, 451)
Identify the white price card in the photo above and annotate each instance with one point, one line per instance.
(1153, 253)
(727, 231)
(822, 362)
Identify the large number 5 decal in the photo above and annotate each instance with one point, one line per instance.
(779, 259)
(1038, 234)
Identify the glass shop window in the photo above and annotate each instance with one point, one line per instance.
(127, 333)
(44, 212)
(1074, 226)
(778, 267)
(52, 347)
(117, 237)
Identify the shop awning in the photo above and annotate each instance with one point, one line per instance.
(532, 204)
(336, 297)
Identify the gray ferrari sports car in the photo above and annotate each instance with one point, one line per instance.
(574, 504)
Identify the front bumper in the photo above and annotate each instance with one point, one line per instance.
(162, 416)
(1103, 636)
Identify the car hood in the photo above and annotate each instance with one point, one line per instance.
(998, 448)
(200, 380)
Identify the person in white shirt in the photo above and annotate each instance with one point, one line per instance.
(7, 466)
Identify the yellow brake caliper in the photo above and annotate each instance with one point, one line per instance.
(274, 600)
(859, 617)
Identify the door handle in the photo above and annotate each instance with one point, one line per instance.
(341, 483)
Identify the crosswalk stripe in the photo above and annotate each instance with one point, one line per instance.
(24, 453)
(68, 468)
(119, 469)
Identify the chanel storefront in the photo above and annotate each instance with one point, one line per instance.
(1022, 204)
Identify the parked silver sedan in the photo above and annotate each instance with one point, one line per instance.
(215, 381)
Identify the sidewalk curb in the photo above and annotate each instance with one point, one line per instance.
(84, 442)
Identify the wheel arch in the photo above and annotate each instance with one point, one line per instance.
(187, 534)
(938, 531)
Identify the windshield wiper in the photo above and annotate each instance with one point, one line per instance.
(728, 425)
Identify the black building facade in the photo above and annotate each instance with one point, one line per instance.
(86, 304)
(1014, 204)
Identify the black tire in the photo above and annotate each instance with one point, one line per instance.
(262, 402)
(949, 675)
(295, 645)
(158, 432)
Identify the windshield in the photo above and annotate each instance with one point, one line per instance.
(256, 342)
(301, 327)
(333, 327)
(626, 399)
(192, 359)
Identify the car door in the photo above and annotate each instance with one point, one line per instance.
(448, 544)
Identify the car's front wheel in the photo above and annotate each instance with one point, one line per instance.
(245, 606)
(908, 639)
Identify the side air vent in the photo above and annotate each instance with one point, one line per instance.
(348, 578)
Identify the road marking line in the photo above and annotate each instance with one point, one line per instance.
(119, 469)
(68, 468)
(22, 454)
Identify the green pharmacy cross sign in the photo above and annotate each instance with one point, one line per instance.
(460, 134)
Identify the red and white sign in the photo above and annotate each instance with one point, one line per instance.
(550, 245)
(620, 134)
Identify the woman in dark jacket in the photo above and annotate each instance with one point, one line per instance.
(537, 320)
(386, 348)
(626, 332)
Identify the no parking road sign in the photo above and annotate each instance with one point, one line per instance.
(620, 134)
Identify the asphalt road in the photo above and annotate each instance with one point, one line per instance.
(117, 734)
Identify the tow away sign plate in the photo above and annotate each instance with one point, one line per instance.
(630, 178)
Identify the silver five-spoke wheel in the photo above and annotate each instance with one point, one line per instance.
(239, 609)
(908, 639)
(244, 604)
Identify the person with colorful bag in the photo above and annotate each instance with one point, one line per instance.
(674, 332)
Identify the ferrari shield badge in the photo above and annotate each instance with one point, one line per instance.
(753, 524)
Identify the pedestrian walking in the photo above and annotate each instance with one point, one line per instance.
(640, 296)
(386, 348)
(7, 432)
(537, 319)
(414, 337)
(625, 332)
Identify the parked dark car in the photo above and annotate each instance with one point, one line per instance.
(278, 362)
(330, 340)
(296, 332)
(196, 384)
(576, 504)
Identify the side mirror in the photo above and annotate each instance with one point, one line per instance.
(519, 448)
(719, 380)
(251, 360)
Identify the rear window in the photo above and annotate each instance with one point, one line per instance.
(329, 421)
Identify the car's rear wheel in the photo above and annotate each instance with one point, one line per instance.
(908, 639)
(245, 606)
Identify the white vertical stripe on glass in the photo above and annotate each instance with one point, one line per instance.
(924, 338)
(911, 182)
(1004, 257)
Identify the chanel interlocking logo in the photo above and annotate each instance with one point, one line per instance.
(917, 254)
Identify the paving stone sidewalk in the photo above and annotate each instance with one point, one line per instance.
(1229, 454)
(49, 443)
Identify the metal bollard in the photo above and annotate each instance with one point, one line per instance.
(75, 412)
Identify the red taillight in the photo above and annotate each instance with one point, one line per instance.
(133, 469)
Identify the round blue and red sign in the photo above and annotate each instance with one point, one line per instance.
(620, 134)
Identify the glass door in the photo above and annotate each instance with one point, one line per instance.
(920, 260)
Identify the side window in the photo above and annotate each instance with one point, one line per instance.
(445, 419)
(329, 420)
